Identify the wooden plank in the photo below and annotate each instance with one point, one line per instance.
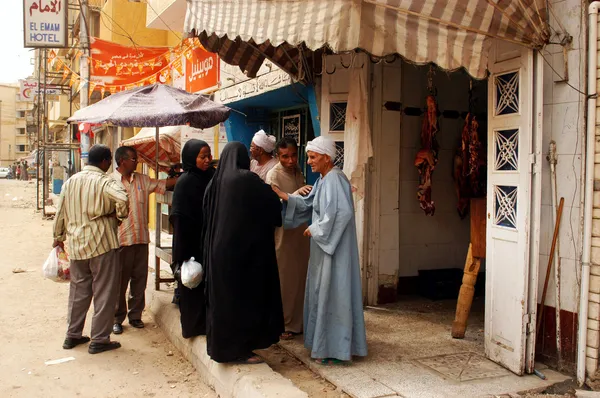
(478, 226)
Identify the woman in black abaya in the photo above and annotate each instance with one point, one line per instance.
(244, 311)
(187, 220)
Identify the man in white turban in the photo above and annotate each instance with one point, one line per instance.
(261, 150)
(333, 282)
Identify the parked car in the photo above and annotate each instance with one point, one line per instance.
(4, 172)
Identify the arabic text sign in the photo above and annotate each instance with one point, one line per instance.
(29, 89)
(45, 23)
(201, 71)
(114, 64)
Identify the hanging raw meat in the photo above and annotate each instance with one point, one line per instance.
(427, 157)
(466, 166)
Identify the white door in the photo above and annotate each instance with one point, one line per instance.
(511, 154)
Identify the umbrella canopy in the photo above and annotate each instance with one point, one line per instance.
(155, 105)
(144, 143)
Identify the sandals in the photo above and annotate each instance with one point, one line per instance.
(252, 360)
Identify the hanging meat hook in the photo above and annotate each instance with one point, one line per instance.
(430, 86)
(342, 62)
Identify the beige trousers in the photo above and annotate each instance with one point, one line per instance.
(96, 278)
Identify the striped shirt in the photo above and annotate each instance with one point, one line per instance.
(134, 230)
(88, 208)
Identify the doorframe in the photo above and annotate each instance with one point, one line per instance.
(372, 208)
(535, 206)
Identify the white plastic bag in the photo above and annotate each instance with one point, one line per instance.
(191, 273)
(56, 267)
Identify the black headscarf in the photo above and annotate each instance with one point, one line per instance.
(188, 222)
(243, 293)
(190, 187)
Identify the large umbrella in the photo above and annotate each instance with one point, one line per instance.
(156, 105)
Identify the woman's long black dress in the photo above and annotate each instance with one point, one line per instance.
(187, 220)
(244, 310)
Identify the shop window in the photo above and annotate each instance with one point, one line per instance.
(507, 93)
(506, 150)
(505, 206)
(337, 116)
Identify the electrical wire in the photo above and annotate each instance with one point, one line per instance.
(562, 77)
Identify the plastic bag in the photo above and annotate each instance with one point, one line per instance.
(56, 267)
(191, 273)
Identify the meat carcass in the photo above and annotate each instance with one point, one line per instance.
(427, 157)
(466, 165)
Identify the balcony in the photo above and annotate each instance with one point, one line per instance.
(171, 14)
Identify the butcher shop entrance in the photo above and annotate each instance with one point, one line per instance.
(456, 200)
(444, 123)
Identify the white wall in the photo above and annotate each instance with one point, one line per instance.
(442, 240)
(564, 122)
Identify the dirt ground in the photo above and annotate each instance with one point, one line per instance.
(33, 319)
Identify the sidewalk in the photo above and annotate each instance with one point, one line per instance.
(243, 381)
(411, 354)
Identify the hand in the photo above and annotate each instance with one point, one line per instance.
(282, 195)
(59, 244)
(305, 190)
(307, 233)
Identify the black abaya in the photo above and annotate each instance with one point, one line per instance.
(244, 310)
(187, 220)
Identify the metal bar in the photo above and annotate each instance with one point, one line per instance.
(44, 138)
(39, 124)
(157, 242)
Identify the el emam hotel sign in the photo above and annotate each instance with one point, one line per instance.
(45, 23)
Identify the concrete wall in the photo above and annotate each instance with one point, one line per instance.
(564, 123)
(125, 20)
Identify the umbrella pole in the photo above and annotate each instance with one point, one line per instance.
(157, 220)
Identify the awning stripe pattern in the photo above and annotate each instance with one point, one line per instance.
(450, 33)
(144, 143)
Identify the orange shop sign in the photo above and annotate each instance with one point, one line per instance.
(201, 70)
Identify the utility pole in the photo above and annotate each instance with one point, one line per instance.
(84, 73)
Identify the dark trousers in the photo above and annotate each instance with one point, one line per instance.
(134, 272)
(96, 278)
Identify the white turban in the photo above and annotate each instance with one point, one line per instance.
(266, 142)
(324, 146)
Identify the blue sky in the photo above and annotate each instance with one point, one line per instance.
(15, 61)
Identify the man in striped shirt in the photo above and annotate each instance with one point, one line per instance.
(90, 206)
(134, 237)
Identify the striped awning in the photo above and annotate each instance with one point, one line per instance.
(449, 33)
(144, 143)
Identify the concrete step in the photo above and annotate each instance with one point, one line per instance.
(229, 381)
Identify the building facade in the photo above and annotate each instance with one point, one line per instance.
(14, 143)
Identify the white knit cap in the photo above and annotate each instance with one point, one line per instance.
(324, 146)
(265, 141)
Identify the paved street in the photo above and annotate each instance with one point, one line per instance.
(33, 319)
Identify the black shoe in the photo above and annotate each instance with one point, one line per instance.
(97, 348)
(137, 324)
(117, 328)
(72, 343)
